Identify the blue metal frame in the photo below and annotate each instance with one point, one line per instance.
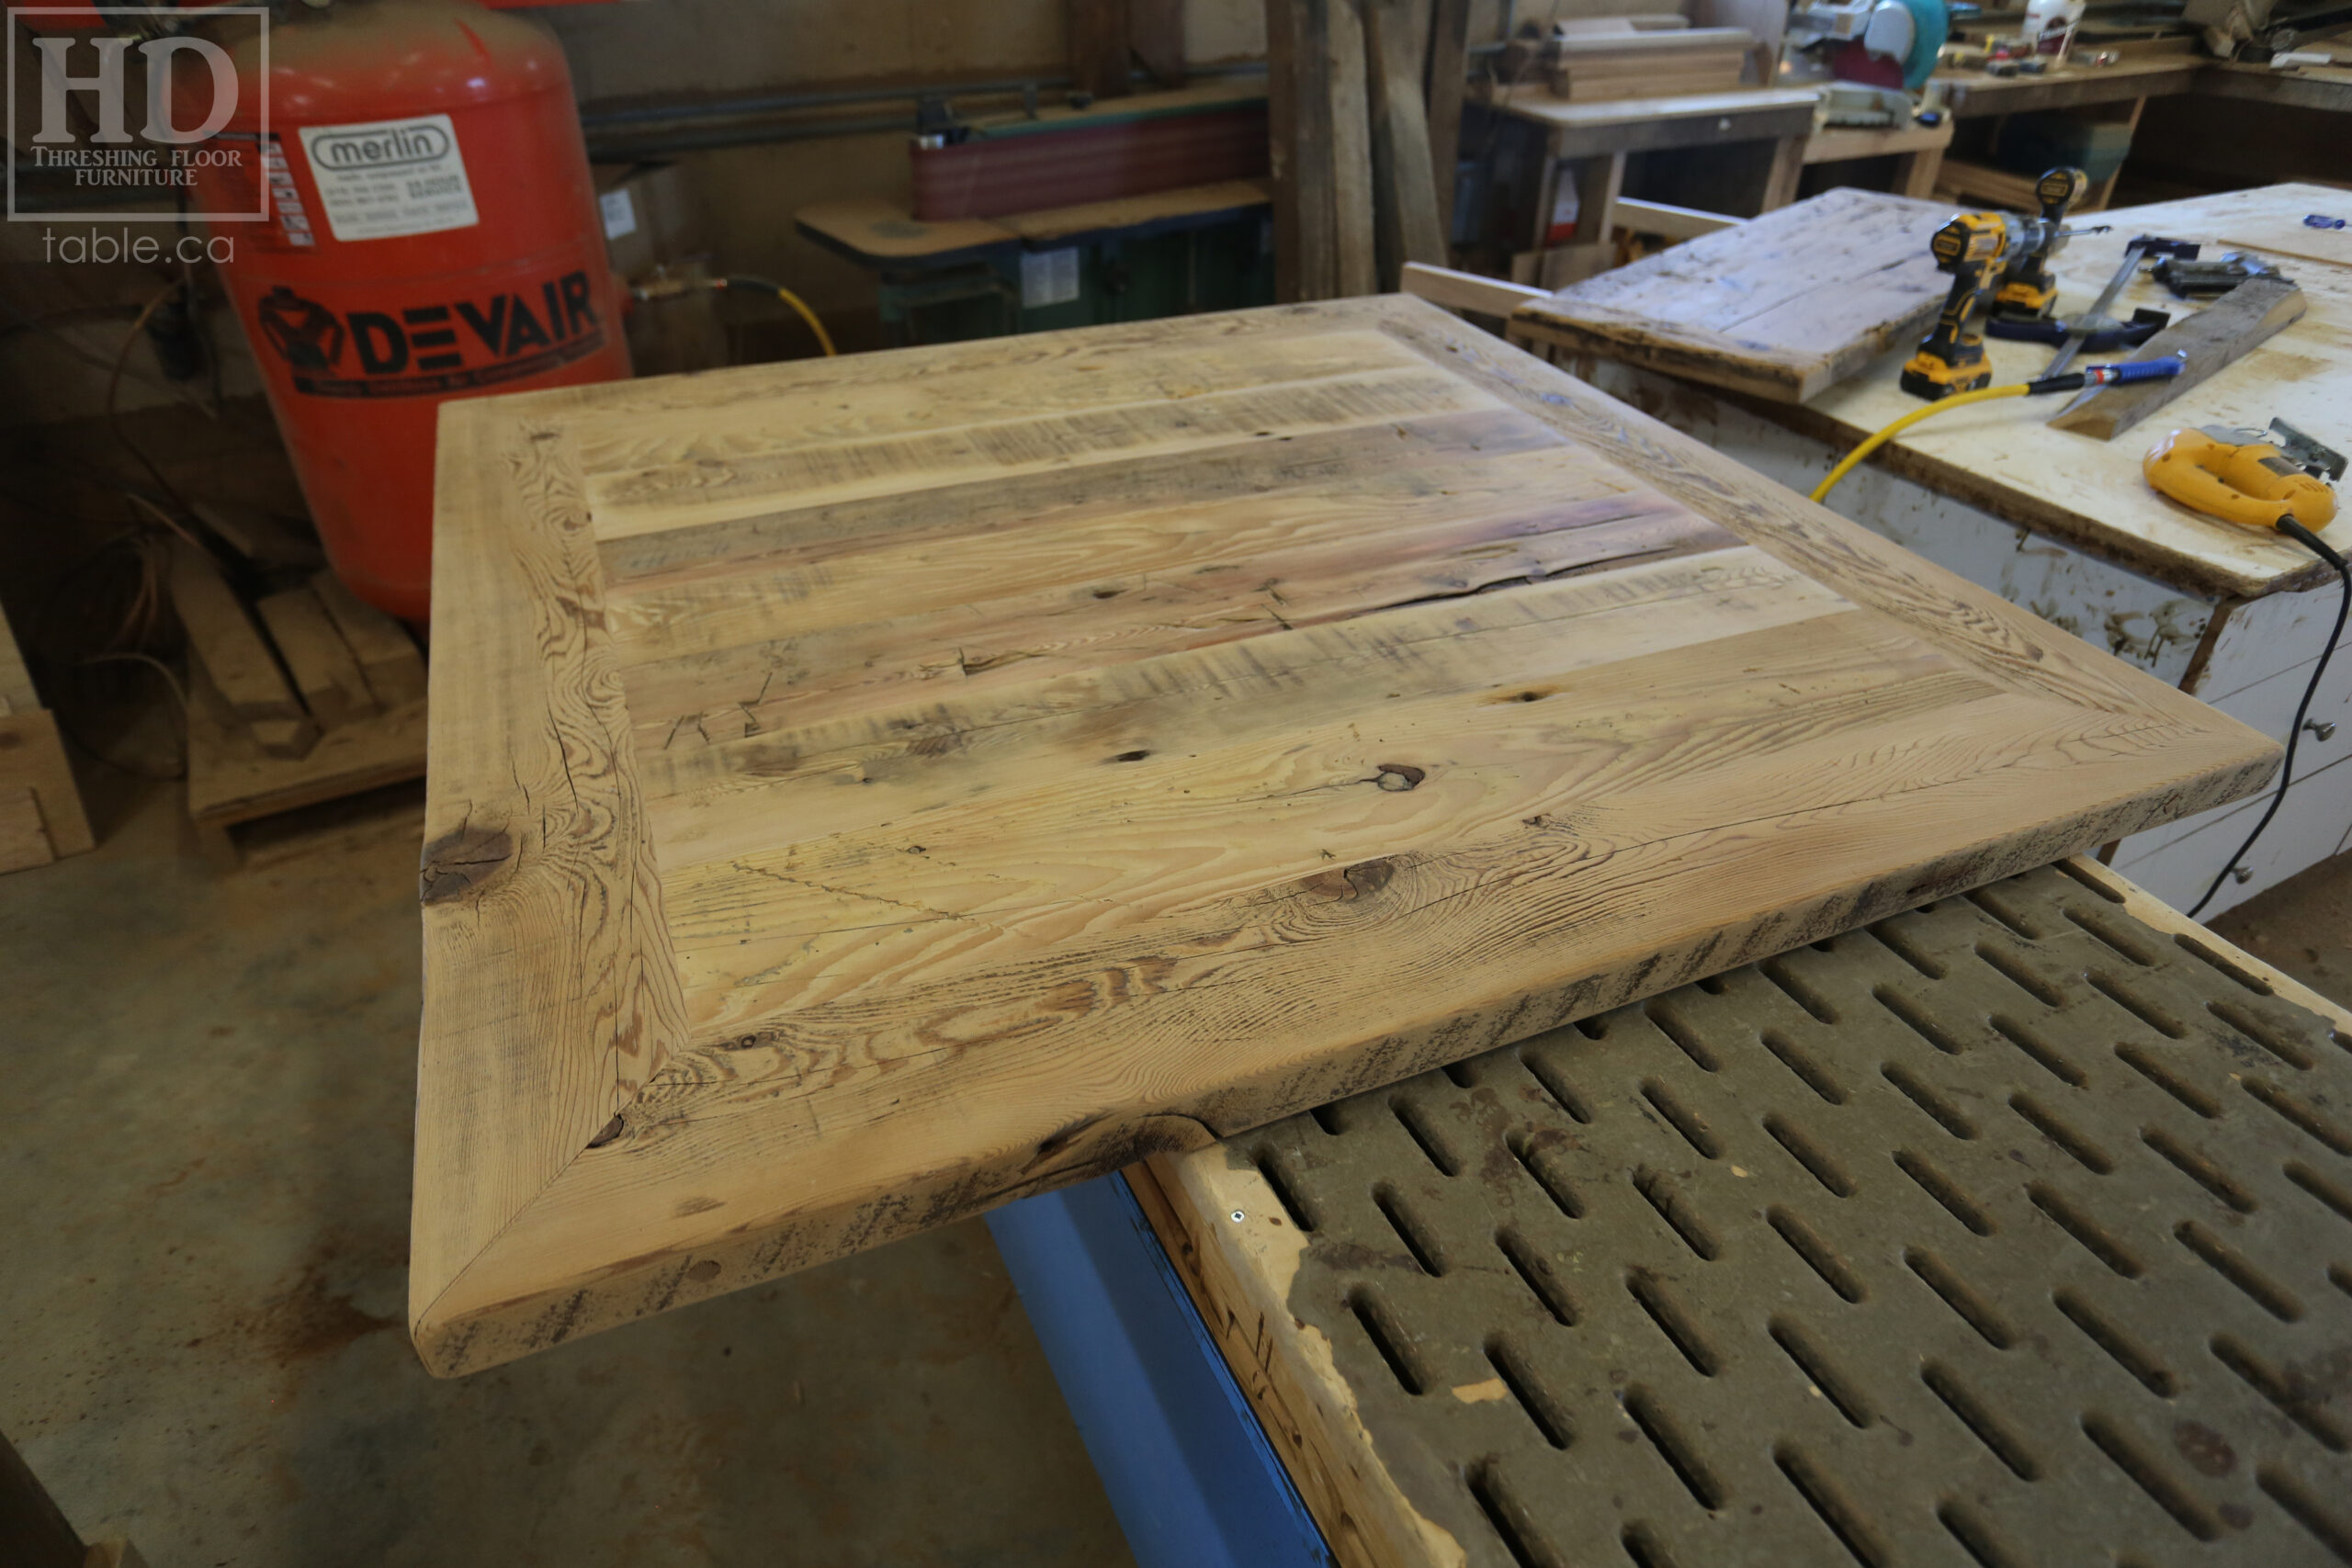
(1190, 1473)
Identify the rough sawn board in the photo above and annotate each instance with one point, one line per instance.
(865, 791)
(1783, 306)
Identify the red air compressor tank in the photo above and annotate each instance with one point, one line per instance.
(431, 234)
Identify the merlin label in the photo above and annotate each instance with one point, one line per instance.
(389, 179)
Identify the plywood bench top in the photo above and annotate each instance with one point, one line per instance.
(864, 791)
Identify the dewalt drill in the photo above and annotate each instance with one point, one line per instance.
(1975, 248)
(2028, 287)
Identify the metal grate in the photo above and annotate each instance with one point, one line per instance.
(2010, 1231)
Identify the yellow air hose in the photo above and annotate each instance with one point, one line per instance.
(1983, 394)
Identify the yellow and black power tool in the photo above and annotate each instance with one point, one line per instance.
(2028, 286)
(1975, 248)
(2255, 479)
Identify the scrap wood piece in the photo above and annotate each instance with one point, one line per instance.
(223, 640)
(32, 757)
(323, 669)
(388, 656)
(2210, 341)
(233, 776)
(24, 838)
(1783, 306)
(1104, 741)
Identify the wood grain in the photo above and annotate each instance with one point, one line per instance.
(881, 788)
(1782, 306)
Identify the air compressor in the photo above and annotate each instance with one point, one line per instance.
(425, 227)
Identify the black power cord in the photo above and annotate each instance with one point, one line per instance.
(2319, 547)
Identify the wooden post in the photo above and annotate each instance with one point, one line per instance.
(1098, 46)
(1155, 34)
(1299, 111)
(1355, 209)
(1405, 190)
(1780, 179)
(1449, 67)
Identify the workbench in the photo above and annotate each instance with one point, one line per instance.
(1168, 252)
(2068, 527)
(2009, 1229)
(1754, 139)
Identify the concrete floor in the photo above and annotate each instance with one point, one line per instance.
(207, 1185)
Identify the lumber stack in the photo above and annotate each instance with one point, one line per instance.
(41, 809)
(1606, 63)
(312, 695)
(1365, 116)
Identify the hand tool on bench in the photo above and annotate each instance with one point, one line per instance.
(2144, 324)
(2251, 478)
(2028, 286)
(2192, 280)
(1975, 248)
(2204, 342)
(2097, 319)
(2275, 478)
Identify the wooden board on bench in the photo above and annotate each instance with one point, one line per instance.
(1782, 306)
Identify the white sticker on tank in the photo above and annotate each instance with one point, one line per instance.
(390, 178)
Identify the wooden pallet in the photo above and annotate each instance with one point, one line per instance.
(317, 696)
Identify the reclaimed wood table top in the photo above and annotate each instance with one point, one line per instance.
(1783, 306)
(2004, 457)
(863, 790)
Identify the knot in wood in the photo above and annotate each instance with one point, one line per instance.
(457, 862)
(1361, 880)
(1399, 775)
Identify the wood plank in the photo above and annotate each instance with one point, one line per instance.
(1754, 308)
(388, 656)
(1155, 34)
(24, 838)
(1467, 290)
(1354, 204)
(322, 666)
(1300, 149)
(1673, 223)
(1405, 207)
(32, 756)
(232, 778)
(223, 640)
(2210, 341)
(1283, 758)
(1098, 46)
(1449, 64)
(17, 694)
